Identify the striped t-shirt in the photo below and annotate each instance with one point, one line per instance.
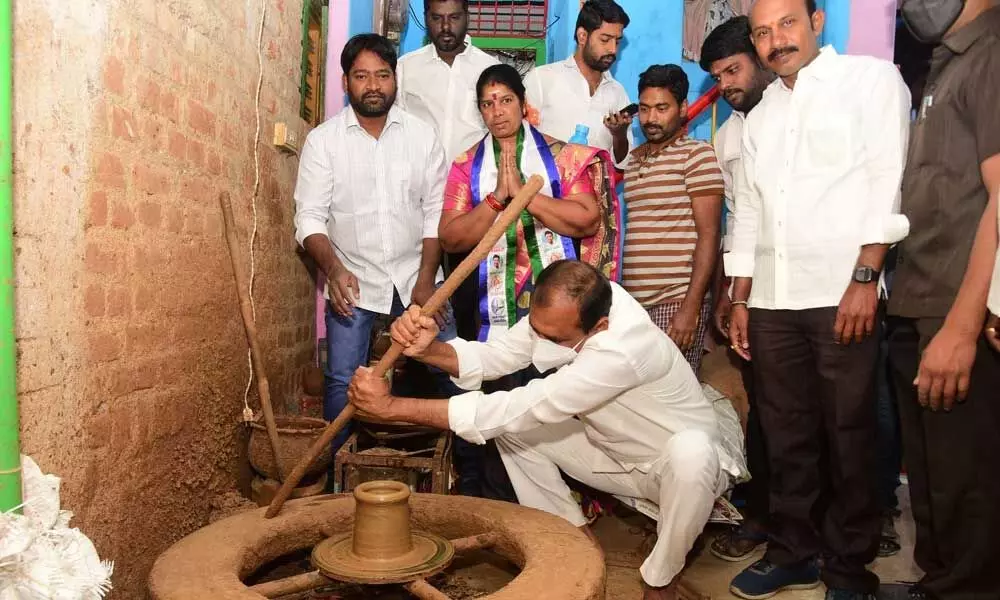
(660, 234)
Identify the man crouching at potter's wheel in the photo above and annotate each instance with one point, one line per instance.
(643, 427)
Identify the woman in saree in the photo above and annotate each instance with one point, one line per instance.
(576, 214)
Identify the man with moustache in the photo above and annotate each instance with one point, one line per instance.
(673, 192)
(729, 57)
(946, 375)
(580, 90)
(368, 201)
(438, 82)
(817, 200)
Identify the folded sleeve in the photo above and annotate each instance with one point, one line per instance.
(886, 129)
(313, 189)
(596, 377)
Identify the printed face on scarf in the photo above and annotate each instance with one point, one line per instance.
(501, 109)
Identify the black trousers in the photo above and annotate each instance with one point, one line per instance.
(755, 492)
(817, 410)
(951, 462)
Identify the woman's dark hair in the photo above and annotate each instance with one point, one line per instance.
(671, 77)
(729, 39)
(504, 75)
(580, 282)
(371, 42)
(595, 12)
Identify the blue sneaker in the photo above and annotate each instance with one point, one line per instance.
(837, 594)
(764, 579)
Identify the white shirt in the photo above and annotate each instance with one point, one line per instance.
(728, 140)
(445, 96)
(562, 96)
(819, 178)
(629, 385)
(376, 199)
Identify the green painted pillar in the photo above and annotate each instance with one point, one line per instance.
(10, 451)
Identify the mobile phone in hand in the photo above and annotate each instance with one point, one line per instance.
(630, 110)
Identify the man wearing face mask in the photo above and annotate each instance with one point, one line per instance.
(945, 373)
(620, 410)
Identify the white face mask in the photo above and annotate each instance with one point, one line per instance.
(547, 355)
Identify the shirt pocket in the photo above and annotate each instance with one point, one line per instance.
(826, 145)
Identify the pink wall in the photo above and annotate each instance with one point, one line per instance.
(337, 35)
(873, 28)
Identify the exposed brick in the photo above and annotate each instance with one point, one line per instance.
(97, 209)
(147, 337)
(114, 75)
(138, 376)
(98, 260)
(196, 153)
(174, 220)
(200, 118)
(213, 163)
(194, 224)
(121, 217)
(152, 134)
(110, 172)
(150, 180)
(177, 144)
(149, 214)
(144, 298)
(149, 95)
(93, 300)
(119, 299)
(169, 106)
(122, 124)
(103, 346)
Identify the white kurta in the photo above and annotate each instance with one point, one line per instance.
(643, 426)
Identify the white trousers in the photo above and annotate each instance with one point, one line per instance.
(684, 483)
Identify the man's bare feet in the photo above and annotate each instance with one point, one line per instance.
(667, 592)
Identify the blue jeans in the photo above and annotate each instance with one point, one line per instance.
(347, 340)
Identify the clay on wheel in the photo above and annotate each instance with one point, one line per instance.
(558, 562)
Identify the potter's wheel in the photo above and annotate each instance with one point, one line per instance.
(382, 548)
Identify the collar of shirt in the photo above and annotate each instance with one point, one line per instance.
(570, 63)
(431, 51)
(960, 41)
(351, 117)
(823, 67)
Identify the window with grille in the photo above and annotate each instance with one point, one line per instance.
(508, 18)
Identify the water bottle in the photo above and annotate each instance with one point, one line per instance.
(580, 135)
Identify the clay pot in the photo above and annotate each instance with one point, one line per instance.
(295, 436)
(382, 520)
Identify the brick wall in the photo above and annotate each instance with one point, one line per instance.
(130, 119)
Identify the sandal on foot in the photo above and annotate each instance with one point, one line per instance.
(737, 544)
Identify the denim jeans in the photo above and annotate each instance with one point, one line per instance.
(347, 340)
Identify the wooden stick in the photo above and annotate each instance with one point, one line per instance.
(425, 591)
(436, 301)
(291, 585)
(243, 292)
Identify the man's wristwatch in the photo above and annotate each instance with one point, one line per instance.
(865, 274)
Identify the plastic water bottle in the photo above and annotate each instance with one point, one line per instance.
(580, 135)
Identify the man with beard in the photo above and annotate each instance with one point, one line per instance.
(729, 56)
(368, 201)
(438, 82)
(817, 200)
(580, 90)
(673, 193)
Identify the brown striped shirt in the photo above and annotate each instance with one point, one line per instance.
(660, 235)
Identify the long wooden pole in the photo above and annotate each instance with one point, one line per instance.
(243, 292)
(436, 301)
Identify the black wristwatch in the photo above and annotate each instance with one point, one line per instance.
(865, 274)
